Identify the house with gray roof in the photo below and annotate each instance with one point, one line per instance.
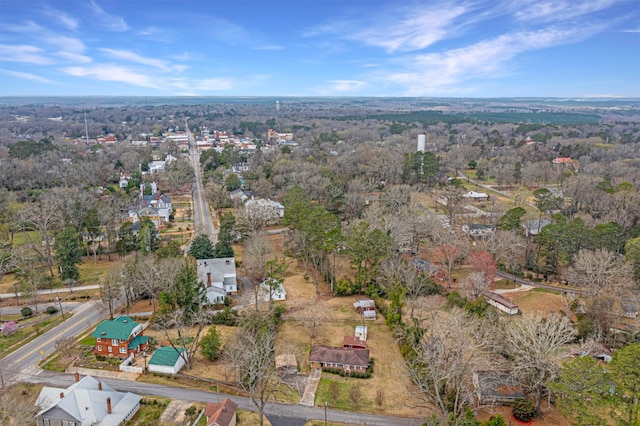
(86, 402)
(345, 358)
(219, 278)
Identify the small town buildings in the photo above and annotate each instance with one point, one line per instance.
(496, 388)
(219, 278)
(86, 402)
(273, 289)
(167, 360)
(120, 337)
(500, 302)
(367, 307)
(222, 413)
(344, 358)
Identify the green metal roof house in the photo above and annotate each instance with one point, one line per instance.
(119, 338)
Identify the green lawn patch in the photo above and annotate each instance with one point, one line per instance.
(55, 363)
(340, 400)
(24, 335)
(88, 341)
(151, 410)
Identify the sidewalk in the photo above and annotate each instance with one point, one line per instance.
(104, 373)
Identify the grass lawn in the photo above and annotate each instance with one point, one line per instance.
(56, 363)
(150, 411)
(249, 418)
(538, 301)
(26, 334)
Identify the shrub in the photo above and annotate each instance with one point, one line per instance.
(26, 311)
(523, 410)
(9, 327)
(51, 310)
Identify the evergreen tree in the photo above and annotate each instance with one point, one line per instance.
(68, 250)
(202, 248)
(210, 345)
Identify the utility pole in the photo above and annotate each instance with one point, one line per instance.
(60, 302)
(325, 413)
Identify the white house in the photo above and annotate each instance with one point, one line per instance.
(219, 277)
(477, 196)
(167, 360)
(273, 289)
(86, 402)
(271, 209)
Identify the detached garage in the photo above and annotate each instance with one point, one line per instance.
(166, 360)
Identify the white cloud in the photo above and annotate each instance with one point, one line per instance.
(130, 56)
(108, 72)
(24, 53)
(557, 10)
(26, 76)
(346, 85)
(421, 29)
(112, 22)
(440, 72)
(69, 44)
(74, 57)
(66, 20)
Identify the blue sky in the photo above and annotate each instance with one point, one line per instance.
(450, 48)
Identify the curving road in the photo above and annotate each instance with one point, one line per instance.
(201, 214)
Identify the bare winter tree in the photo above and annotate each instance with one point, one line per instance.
(601, 271)
(443, 363)
(252, 354)
(44, 216)
(311, 314)
(15, 410)
(536, 345)
(257, 253)
(110, 290)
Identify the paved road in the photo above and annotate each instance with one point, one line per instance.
(21, 363)
(53, 291)
(202, 216)
(564, 289)
(282, 414)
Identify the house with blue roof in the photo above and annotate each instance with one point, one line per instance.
(120, 337)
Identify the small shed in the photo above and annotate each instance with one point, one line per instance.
(166, 360)
(353, 342)
(361, 332)
(367, 307)
(273, 289)
(500, 302)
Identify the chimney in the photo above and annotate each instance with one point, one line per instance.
(61, 395)
(208, 279)
(108, 405)
(99, 385)
(77, 376)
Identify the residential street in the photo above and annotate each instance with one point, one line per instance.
(288, 413)
(201, 214)
(22, 363)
